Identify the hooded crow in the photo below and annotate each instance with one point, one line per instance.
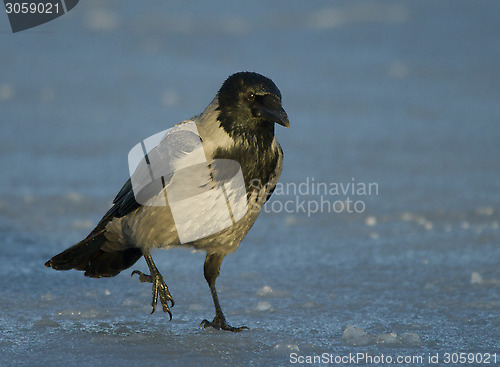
(201, 184)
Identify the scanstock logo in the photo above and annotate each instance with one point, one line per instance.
(28, 14)
(170, 170)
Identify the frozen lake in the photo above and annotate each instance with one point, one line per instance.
(400, 94)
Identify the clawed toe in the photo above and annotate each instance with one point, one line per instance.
(144, 278)
(159, 289)
(219, 323)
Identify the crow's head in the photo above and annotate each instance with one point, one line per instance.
(250, 105)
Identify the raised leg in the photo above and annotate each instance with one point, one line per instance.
(159, 286)
(211, 271)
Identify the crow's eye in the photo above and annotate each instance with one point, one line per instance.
(250, 96)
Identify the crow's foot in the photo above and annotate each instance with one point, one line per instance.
(219, 322)
(159, 288)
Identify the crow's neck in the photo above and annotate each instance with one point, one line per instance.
(257, 158)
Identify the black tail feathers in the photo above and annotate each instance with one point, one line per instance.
(88, 256)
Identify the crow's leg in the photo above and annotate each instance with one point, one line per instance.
(211, 270)
(159, 285)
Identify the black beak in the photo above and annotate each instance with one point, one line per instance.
(278, 116)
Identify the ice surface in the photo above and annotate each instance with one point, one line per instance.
(264, 306)
(387, 339)
(408, 339)
(354, 336)
(476, 278)
(371, 221)
(404, 94)
(265, 290)
(357, 337)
